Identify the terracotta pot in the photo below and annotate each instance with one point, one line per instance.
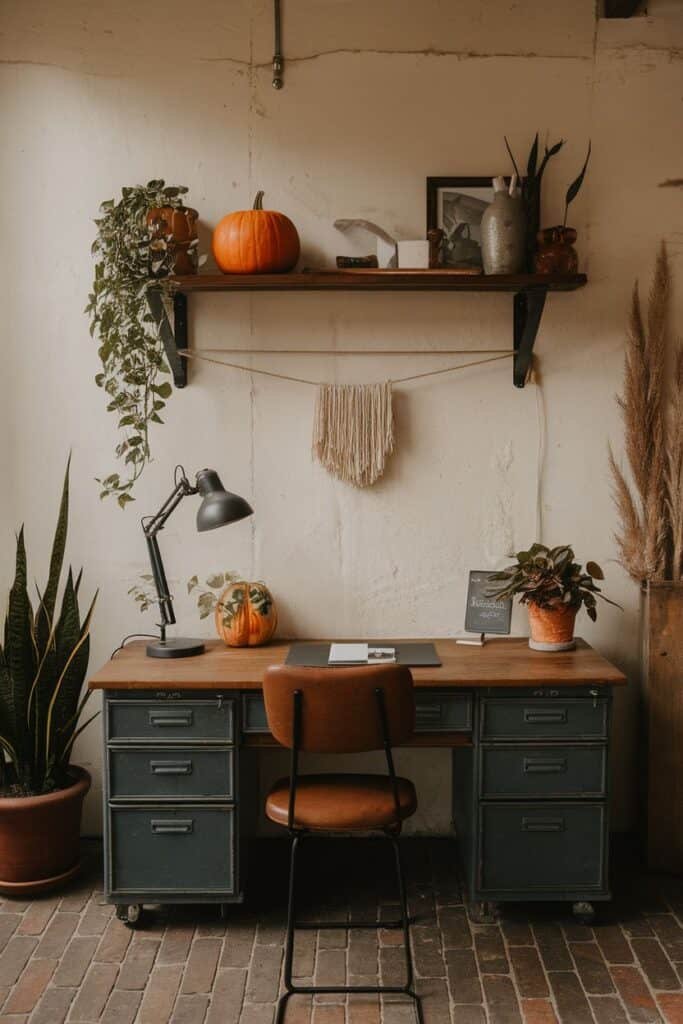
(39, 837)
(181, 223)
(552, 629)
(556, 253)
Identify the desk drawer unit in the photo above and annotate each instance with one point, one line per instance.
(210, 720)
(442, 712)
(553, 847)
(560, 718)
(543, 771)
(171, 773)
(171, 799)
(530, 798)
(435, 711)
(173, 851)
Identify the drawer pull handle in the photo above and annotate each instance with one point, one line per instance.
(535, 717)
(173, 827)
(170, 767)
(164, 718)
(545, 765)
(542, 824)
(428, 711)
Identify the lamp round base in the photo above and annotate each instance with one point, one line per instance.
(177, 647)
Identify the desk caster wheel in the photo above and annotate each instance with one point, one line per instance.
(129, 913)
(484, 912)
(583, 912)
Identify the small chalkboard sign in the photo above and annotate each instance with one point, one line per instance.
(484, 614)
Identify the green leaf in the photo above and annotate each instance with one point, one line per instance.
(46, 609)
(594, 570)
(575, 186)
(511, 155)
(163, 390)
(216, 581)
(532, 159)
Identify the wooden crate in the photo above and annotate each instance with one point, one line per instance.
(663, 690)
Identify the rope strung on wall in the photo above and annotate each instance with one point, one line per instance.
(353, 425)
(187, 353)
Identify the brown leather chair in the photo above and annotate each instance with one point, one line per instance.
(341, 711)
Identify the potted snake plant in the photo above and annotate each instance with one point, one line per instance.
(43, 662)
(554, 587)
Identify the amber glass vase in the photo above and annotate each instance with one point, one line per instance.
(556, 253)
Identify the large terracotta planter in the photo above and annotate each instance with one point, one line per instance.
(552, 629)
(39, 838)
(662, 664)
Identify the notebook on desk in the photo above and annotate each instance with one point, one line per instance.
(415, 654)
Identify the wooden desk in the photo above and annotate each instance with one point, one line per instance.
(529, 733)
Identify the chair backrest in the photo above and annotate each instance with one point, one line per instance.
(339, 706)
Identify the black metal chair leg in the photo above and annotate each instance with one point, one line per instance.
(289, 939)
(291, 914)
(410, 974)
(291, 989)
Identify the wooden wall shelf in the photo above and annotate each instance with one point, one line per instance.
(529, 292)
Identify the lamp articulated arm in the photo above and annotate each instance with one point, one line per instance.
(218, 508)
(151, 526)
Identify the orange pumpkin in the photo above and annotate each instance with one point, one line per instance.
(255, 241)
(246, 615)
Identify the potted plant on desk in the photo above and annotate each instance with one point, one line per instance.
(553, 586)
(43, 661)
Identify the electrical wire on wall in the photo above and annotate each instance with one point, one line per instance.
(541, 421)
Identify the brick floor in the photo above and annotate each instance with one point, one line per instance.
(66, 958)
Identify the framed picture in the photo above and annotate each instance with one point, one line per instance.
(456, 205)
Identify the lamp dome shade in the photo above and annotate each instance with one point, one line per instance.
(219, 507)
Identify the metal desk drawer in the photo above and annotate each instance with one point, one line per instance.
(435, 711)
(254, 713)
(543, 771)
(542, 846)
(561, 718)
(442, 711)
(161, 849)
(178, 720)
(171, 773)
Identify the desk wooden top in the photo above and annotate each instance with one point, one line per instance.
(504, 661)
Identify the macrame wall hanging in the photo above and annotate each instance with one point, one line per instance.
(353, 424)
(353, 430)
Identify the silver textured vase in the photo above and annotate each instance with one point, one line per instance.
(503, 235)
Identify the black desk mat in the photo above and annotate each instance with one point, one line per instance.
(415, 655)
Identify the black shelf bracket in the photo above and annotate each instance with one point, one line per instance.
(175, 337)
(526, 318)
(527, 313)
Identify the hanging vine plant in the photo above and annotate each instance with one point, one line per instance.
(137, 243)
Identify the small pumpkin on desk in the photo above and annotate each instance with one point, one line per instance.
(256, 241)
(244, 611)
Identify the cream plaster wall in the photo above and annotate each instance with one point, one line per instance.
(377, 97)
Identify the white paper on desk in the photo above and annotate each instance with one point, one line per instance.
(345, 654)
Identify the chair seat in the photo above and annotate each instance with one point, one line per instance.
(341, 802)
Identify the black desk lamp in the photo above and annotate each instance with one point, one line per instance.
(218, 508)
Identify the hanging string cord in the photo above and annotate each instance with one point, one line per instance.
(188, 354)
(354, 351)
